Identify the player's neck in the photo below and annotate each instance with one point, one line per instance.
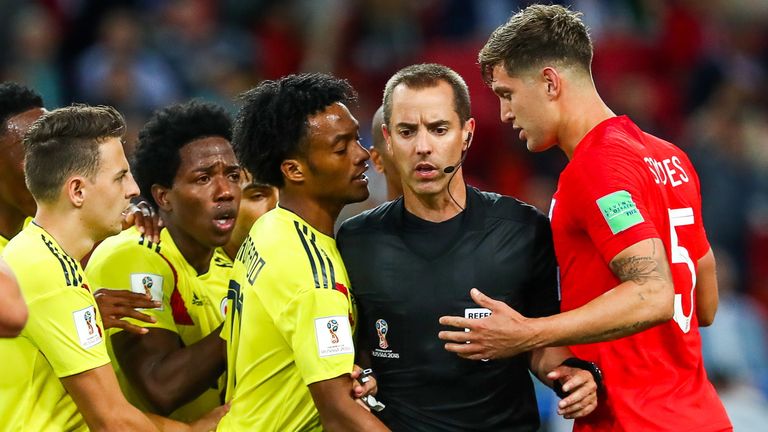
(582, 112)
(321, 216)
(11, 220)
(437, 207)
(197, 255)
(66, 227)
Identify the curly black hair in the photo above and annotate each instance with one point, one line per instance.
(157, 159)
(15, 99)
(272, 123)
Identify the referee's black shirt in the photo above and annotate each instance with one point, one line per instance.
(406, 273)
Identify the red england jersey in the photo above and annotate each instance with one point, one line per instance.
(623, 186)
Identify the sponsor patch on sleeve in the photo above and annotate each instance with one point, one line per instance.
(146, 283)
(87, 329)
(334, 336)
(619, 211)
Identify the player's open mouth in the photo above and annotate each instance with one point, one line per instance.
(225, 221)
(361, 178)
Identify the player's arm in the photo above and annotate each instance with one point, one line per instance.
(165, 371)
(104, 408)
(644, 298)
(13, 309)
(338, 411)
(707, 297)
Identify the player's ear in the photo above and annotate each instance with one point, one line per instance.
(75, 190)
(160, 194)
(553, 81)
(293, 170)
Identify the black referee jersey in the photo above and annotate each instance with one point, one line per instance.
(406, 273)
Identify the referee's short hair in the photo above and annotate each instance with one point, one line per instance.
(272, 124)
(426, 75)
(65, 142)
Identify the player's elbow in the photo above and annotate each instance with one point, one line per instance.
(13, 321)
(706, 316)
(163, 401)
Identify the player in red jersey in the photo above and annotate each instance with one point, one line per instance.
(637, 272)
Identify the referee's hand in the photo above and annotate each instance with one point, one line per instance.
(114, 305)
(505, 333)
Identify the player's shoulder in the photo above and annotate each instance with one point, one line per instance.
(507, 208)
(128, 249)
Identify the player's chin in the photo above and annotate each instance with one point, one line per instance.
(358, 195)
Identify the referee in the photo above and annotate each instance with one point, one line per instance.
(416, 258)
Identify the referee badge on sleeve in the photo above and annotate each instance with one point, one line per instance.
(88, 331)
(334, 336)
(150, 284)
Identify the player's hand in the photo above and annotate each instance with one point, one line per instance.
(504, 333)
(581, 388)
(209, 421)
(117, 304)
(359, 390)
(146, 220)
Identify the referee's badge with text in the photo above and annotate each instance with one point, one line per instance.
(476, 313)
(334, 336)
(88, 331)
(150, 284)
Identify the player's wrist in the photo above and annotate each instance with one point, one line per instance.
(575, 362)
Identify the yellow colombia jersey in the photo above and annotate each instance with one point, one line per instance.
(192, 305)
(4, 241)
(63, 337)
(289, 326)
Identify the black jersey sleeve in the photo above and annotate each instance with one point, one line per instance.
(543, 293)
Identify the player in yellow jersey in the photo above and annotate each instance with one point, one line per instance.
(291, 318)
(19, 107)
(186, 168)
(57, 372)
(13, 310)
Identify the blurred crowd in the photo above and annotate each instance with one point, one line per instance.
(692, 72)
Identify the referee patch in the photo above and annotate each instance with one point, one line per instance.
(334, 336)
(619, 211)
(88, 331)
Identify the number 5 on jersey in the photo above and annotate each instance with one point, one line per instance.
(680, 255)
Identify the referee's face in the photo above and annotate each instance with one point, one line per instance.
(424, 136)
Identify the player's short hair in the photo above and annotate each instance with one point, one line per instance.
(16, 99)
(272, 126)
(534, 37)
(66, 142)
(156, 158)
(426, 75)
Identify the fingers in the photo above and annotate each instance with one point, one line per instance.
(455, 336)
(468, 351)
(362, 404)
(455, 321)
(483, 300)
(109, 297)
(577, 407)
(125, 325)
(581, 389)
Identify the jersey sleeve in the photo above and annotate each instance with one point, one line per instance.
(66, 327)
(543, 291)
(141, 270)
(316, 325)
(608, 191)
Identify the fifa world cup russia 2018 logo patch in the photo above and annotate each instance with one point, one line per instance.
(381, 329)
(88, 321)
(333, 327)
(147, 282)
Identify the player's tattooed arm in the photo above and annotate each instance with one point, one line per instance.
(641, 269)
